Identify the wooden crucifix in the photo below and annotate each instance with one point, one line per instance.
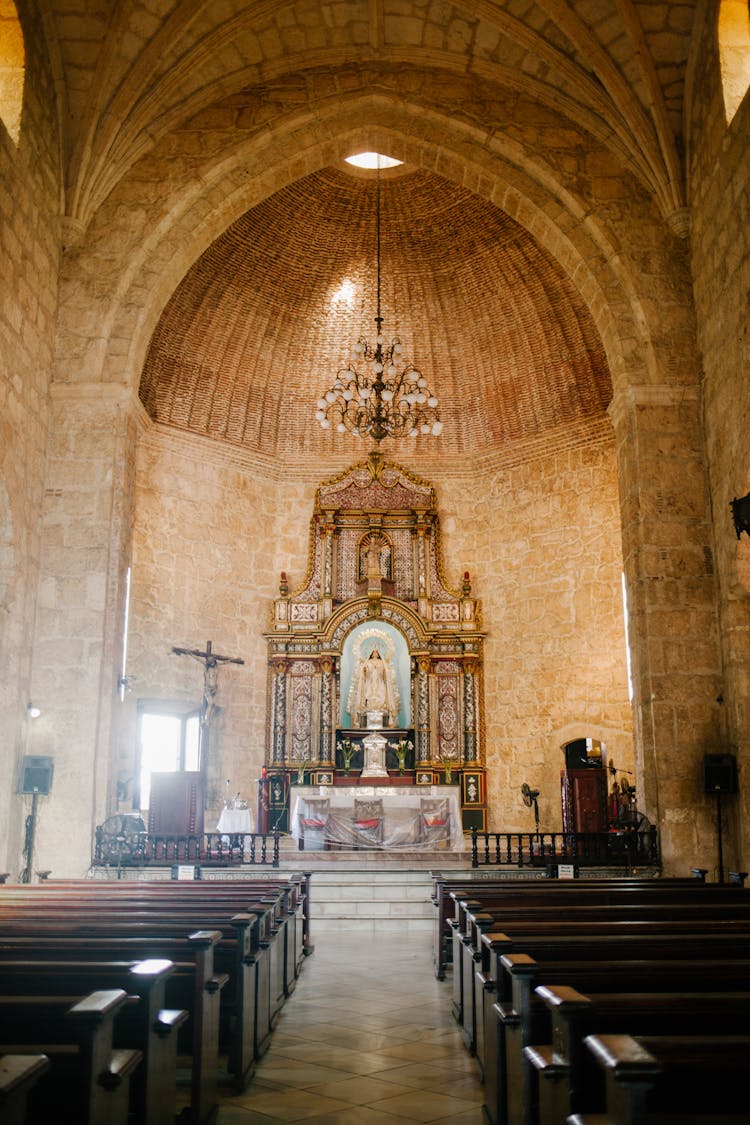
(211, 661)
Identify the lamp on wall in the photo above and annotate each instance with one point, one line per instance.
(32, 711)
(380, 394)
(741, 514)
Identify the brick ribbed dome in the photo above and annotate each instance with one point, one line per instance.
(265, 318)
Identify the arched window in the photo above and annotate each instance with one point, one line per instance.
(734, 53)
(12, 69)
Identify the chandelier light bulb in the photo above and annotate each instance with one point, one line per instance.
(432, 402)
(322, 404)
(387, 396)
(437, 428)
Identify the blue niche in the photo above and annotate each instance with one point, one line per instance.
(393, 649)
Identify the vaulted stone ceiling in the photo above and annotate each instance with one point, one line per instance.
(265, 319)
(253, 334)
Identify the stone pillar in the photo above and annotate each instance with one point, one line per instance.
(86, 545)
(672, 617)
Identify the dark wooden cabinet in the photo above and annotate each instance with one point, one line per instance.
(176, 806)
(584, 800)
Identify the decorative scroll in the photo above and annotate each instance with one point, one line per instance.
(301, 704)
(445, 611)
(447, 719)
(278, 716)
(326, 713)
(304, 611)
(469, 718)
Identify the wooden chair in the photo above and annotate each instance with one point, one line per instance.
(434, 821)
(367, 822)
(314, 824)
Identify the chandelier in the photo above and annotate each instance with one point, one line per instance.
(380, 393)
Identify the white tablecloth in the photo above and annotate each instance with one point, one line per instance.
(235, 822)
(403, 823)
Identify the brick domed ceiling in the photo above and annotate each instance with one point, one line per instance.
(263, 321)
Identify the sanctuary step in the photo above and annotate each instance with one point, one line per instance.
(348, 898)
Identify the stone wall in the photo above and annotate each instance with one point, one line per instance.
(720, 210)
(29, 252)
(539, 533)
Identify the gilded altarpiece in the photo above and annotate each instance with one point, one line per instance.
(375, 590)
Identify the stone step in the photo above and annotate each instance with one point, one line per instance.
(390, 899)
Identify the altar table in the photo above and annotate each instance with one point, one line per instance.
(235, 822)
(325, 816)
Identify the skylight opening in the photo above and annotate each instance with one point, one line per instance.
(373, 161)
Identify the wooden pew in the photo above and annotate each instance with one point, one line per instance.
(242, 955)
(18, 1075)
(471, 917)
(446, 888)
(281, 904)
(262, 957)
(238, 895)
(593, 941)
(561, 1073)
(149, 1026)
(88, 1079)
(525, 1020)
(194, 986)
(675, 1080)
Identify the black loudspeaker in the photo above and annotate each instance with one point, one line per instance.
(719, 773)
(37, 775)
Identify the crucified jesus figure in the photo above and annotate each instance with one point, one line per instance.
(211, 661)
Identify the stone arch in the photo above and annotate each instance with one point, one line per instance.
(153, 264)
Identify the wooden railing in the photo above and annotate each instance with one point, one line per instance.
(208, 849)
(630, 848)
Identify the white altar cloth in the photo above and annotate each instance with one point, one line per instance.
(405, 825)
(235, 822)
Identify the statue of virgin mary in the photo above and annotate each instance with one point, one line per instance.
(374, 689)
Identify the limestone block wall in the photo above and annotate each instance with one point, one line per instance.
(29, 253)
(212, 532)
(719, 178)
(539, 533)
(86, 523)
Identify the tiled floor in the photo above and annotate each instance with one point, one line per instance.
(367, 1036)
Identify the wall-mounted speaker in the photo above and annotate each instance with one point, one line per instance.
(719, 773)
(36, 776)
